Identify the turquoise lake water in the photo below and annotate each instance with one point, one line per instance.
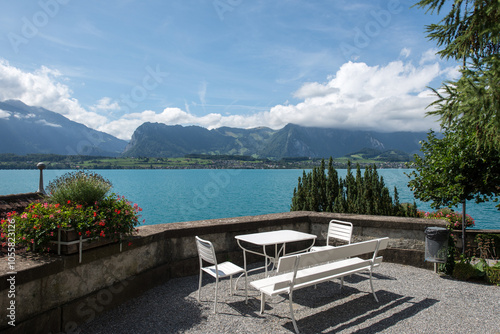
(195, 194)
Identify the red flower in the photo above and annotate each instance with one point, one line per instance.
(69, 202)
(102, 234)
(95, 213)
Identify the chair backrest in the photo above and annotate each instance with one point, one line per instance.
(206, 250)
(340, 230)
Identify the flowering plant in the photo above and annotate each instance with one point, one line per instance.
(454, 219)
(113, 218)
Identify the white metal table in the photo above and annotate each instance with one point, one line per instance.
(276, 238)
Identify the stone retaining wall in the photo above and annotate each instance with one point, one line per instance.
(56, 293)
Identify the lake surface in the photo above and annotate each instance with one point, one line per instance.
(195, 194)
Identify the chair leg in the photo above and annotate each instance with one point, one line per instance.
(246, 288)
(291, 312)
(216, 289)
(199, 286)
(230, 285)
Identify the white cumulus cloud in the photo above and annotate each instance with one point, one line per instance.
(385, 98)
(4, 114)
(41, 88)
(105, 104)
(392, 97)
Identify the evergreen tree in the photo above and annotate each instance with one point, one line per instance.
(326, 192)
(332, 186)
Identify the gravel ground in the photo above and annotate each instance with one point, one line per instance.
(411, 300)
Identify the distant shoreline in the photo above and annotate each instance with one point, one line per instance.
(53, 161)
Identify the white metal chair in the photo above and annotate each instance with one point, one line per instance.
(339, 230)
(206, 252)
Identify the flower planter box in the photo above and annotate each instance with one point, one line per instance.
(69, 242)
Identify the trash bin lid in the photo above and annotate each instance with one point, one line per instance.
(436, 233)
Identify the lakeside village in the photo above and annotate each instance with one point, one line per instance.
(192, 161)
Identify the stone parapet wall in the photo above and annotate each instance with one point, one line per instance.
(57, 293)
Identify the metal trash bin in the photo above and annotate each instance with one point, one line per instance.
(436, 244)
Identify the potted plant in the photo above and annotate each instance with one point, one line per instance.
(78, 209)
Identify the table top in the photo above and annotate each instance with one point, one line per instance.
(275, 237)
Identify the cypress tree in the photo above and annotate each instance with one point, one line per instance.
(332, 186)
(323, 191)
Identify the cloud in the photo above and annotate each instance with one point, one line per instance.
(387, 98)
(392, 97)
(105, 104)
(312, 89)
(405, 52)
(45, 123)
(4, 113)
(41, 88)
(202, 93)
(429, 56)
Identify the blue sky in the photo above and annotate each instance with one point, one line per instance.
(113, 65)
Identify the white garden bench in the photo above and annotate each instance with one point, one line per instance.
(306, 269)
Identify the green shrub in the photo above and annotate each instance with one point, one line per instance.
(453, 218)
(79, 187)
(493, 273)
(464, 271)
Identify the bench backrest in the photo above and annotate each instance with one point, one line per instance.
(288, 263)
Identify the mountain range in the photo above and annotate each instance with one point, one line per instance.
(160, 140)
(25, 129)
